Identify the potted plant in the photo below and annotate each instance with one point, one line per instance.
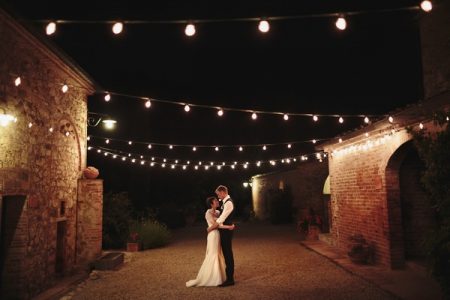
(310, 226)
(133, 242)
(359, 250)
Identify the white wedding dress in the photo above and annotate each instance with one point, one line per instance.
(212, 271)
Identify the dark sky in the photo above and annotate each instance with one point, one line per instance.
(302, 65)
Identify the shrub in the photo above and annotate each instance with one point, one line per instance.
(151, 233)
(116, 216)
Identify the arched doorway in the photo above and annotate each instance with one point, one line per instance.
(410, 215)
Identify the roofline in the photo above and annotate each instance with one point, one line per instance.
(410, 114)
(53, 52)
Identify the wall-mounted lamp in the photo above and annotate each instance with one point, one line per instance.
(5, 118)
(95, 118)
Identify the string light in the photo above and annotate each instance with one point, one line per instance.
(314, 141)
(366, 120)
(149, 146)
(264, 148)
(426, 6)
(220, 112)
(289, 146)
(391, 119)
(340, 140)
(421, 125)
(30, 125)
(263, 26)
(315, 118)
(216, 148)
(189, 29)
(187, 108)
(130, 143)
(50, 28)
(148, 103)
(341, 120)
(117, 28)
(286, 117)
(107, 141)
(194, 148)
(341, 23)
(254, 116)
(65, 88)
(50, 129)
(107, 97)
(170, 147)
(17, 81)
(241, 149)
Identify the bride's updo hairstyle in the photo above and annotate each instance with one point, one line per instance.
(209, 201)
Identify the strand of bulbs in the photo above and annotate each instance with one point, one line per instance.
(263, 24)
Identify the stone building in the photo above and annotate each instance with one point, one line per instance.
(374, 179)
(50, 217)
(304, 184)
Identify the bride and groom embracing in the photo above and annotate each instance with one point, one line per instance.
(218, 266)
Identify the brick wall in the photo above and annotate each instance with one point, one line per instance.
(89, 219)
(305, 182)
(375, 191)
(42, 166)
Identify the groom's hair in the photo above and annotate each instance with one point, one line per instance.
(222, 188)
(209, 201)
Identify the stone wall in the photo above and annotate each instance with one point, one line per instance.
(41, 155)
(305, 183)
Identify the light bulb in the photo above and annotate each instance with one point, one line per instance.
(421, 125)
(187, 108)
(64, 88)
(340, 140)
(196, 167)
(366, 120)
(50, 28)
(189, 30)
(254, 116)
(170, 147)
(241, 149)
(286, 117)
(264, 148)
(184, 167)
(341, 24)
(289, 146)
(232, 166)
(30, 125)
(391, 119)
(148, 103)
(107, 141)
(314, 141)
(117, 27)
(130, 143)
(341, 120)
(18, 81)
(149, 146)
(194, 148)
(107, 97)
(426, 6)
(217, 148)
(220, 112)
(263, 26)
(315, 118)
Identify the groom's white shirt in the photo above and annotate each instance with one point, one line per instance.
(227, 209)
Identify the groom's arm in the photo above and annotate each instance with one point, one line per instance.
(228, 208)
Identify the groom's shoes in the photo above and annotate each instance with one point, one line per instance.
(226, 283)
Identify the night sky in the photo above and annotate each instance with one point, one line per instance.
(301, 65)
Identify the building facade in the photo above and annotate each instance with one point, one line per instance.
(42, 155)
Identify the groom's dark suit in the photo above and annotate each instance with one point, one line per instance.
(226, 237)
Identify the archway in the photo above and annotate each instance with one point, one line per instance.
(410, 216)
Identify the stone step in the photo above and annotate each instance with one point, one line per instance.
(109, 261)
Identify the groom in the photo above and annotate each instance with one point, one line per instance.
(226, 218)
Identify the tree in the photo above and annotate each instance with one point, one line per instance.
(434, 150)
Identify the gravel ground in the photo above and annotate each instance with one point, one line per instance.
(269, 264)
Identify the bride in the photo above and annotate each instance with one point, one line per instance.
(212, 271)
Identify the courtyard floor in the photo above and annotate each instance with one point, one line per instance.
(270, 264)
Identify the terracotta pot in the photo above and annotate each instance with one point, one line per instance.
(90, 173)
(132, 247)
